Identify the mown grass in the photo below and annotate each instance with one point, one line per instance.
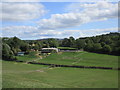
(82, 58)
(21, 75)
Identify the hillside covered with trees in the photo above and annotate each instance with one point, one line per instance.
(106, 44)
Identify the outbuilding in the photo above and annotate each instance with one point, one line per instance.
(48, 50)
(20, 53)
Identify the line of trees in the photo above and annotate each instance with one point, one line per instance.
(45, 43)
(107, 44)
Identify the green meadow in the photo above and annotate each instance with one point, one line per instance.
(30, 57)
(68, 48)
(81, 58)
(22, 75)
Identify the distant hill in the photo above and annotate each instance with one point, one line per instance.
(49, 38)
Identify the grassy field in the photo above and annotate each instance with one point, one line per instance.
(31, 56)
(21, 75)
(66, 48)
(82, 58)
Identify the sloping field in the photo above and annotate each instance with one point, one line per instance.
(21, 75)
(30, 57)
(82, 58)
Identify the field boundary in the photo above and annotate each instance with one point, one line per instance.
(74, 66)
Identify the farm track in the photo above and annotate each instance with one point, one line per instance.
(72, 66)
(80, 59)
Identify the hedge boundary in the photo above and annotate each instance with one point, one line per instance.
(73, 66)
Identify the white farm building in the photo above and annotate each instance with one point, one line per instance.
(48, 50)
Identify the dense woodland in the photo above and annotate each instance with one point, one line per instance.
(106, 44)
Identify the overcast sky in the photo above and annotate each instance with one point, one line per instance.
(36, 20)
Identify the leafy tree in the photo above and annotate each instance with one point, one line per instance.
(46, 44)
(24, 47)
(36, 47)
(72, 41)
(40, 45)
(65, 42)
(53, 42)
(89, 47)
(97, 47)
(80, 44)
(7, 53)
(102, 44)
(106, 49)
